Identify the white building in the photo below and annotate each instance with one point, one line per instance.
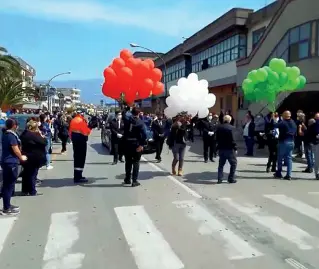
(71, 97)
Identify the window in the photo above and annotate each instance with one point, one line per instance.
(228, 50)
(257, 35)
(175, 71)
(299, 40)
(296, 44)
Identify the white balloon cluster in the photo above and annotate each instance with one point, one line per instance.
(190, 95)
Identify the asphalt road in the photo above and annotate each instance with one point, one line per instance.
(167, 222)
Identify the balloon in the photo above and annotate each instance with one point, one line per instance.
(273, 77)
(262, 74)
(193, 77)
(283, 78)
(203, 112)
(150, 63)
(210, 100)
(293, 72)
(189, 95)
(117, 64)
(277, 65)
(110, 91)
(132, 63)
(130, 97)
(293, 84)
(125, 54)
(247, 84)
(252, 75)
(302, 82)
(145, 88)
(125, 74)
(156, 74)
(158, 88)
(143, 69)
(110, 75)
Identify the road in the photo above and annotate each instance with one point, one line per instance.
(167, 222)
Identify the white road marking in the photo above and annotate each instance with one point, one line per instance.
(296, 205)
(147, 244)
(6, 225)
(176, 181)
(62, 235)
(295, 264)
(313, 192)
(236, 248)
(288, 231)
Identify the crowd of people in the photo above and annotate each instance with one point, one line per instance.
(31, 148)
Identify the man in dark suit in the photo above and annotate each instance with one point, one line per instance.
(209, 136)
(159, 128)
(227, 149)
(117, 131)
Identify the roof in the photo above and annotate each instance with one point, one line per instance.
(281, 6)
(25, 66)
(146, 54)
(234, 17)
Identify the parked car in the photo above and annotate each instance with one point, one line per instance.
(149, 148)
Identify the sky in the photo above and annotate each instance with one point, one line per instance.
(83, 36)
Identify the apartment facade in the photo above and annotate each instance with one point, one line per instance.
(291, 34)
(71, 97)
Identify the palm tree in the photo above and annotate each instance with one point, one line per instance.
(9, 66)
(12, 92)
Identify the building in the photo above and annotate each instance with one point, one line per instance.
(292, 33)
(71, 97)
(146, 55)
(27, 72)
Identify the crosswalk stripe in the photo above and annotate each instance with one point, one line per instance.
(147, 244)
(296, 205)
(6, 225)
(235, 247)
(288, 231)
(62, 235)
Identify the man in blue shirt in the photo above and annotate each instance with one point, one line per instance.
(287, 131)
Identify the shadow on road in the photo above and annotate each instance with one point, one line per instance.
(98, 147)
(201, 178)
(145, 175)
(65, 182)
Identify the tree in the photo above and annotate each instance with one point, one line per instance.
(9, 66)
(12, 92)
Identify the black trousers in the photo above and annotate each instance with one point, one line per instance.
(272, 149)
(10, 176)
(159, 142)
(29, 178)
(209, 144)
(117, 148)
(64, 141)
(227, 155)
(132, 163)
(79, 143)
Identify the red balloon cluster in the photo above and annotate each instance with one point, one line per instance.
(135, 78)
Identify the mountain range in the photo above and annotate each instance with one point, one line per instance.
(90, 89)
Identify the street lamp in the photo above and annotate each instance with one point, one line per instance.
(48, 87)
(134, 45)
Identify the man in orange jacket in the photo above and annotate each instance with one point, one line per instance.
(79, 132)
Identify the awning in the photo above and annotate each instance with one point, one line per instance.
(30, 106)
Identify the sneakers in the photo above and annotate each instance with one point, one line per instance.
(12, 211)
(49, 167)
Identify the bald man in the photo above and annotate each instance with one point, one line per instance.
(287, 131)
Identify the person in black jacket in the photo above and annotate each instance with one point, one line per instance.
(159, 128)
(307, 139)
(314, 138)
(117, 131)
(209, 136)
(134, 139)
(34, 147)
(227, 149)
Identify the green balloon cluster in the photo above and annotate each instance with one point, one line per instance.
(264, 84)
